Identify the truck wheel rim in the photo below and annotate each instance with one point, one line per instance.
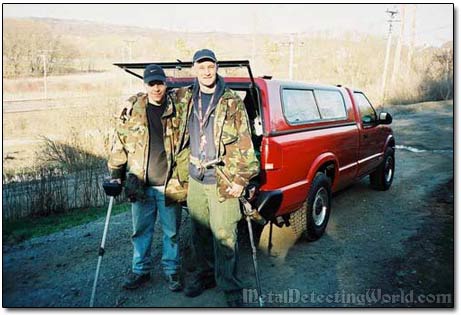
(389, 169)
(320, 206)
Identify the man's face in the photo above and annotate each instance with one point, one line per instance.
(156, 91)
(206, 72)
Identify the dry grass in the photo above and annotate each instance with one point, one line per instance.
(95, 97)
(64, 173)
(77, 85)
(86, 127)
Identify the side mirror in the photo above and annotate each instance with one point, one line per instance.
(385, 118)
(367, 120)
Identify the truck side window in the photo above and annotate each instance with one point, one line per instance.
(299, 106)
(331, 104)
(367, 112)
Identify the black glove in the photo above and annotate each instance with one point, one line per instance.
(134, 188)
(112, 188)
(251, 191)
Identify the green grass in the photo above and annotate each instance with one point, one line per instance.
(22, 229)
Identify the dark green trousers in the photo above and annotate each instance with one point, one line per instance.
(214, 234)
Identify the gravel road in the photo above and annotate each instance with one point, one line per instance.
(381, 249)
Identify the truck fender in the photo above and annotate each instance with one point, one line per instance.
(318, 162)
(390, 139)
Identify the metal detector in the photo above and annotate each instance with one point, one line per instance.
(112, 189)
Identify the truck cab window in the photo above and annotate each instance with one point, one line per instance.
(331, 104)
(367, 112)
(299, 106)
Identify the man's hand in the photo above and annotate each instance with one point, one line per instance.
(236, 190)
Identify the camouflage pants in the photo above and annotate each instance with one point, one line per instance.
(214, 234)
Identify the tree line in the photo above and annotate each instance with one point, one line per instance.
(26, 43)
(354, 59)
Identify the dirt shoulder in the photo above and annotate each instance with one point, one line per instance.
(377, 245)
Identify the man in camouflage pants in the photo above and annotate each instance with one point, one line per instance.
(141, 156)
(217, 125)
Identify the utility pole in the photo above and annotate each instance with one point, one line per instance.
(44, 76)
(44, 56)
(292, 52)
(391, 20)
(130, 58)
(253, 48)
(255, 61)
(291, 47)
(412, 41)
(398, 49)
(253, 37)
(130, 43)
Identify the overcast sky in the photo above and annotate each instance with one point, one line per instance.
(434, 22)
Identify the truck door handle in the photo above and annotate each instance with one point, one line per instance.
(365, 136)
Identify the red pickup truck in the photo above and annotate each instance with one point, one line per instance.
(312, 140)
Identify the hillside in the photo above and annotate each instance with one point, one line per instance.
(83, 46)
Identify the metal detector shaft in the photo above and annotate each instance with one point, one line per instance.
(101, 250)
(255, 261)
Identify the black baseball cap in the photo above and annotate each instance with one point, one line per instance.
(204, 54)
(154, 72)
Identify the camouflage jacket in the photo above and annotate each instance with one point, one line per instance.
(232, 137)
(130, 148)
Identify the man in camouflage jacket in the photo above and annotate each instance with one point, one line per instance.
(216, 127)
(145, 143)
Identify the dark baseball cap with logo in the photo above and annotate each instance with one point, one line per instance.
(204, 54)
(154, 72)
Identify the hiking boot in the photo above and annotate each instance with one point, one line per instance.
(197, 285)
(174, 282)
(134, 281)
(234, 298)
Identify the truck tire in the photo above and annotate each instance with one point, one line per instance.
(382, 177)
(317, 207)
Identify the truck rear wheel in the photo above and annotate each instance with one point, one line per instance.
(382, 178)
(317, 207)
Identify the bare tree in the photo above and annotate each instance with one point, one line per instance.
(23, 43)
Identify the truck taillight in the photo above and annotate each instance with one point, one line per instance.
(272, 155)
